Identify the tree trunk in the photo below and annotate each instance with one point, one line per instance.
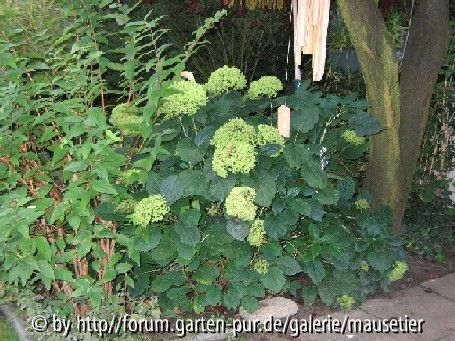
(428, 41)
(376, 53)
(402, 107)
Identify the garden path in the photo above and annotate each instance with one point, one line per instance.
(433, 301)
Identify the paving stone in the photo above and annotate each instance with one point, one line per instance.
(416, 303)
(433, 302)
(449, 337)
(278, 307)
(444, 286)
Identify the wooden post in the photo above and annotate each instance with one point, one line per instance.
(284, 121)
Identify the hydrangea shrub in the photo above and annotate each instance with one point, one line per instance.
(183, 191)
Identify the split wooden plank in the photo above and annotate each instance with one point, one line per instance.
(284, 121)
(324, 27)
(311, 18)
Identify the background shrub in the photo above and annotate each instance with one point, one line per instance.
(114, 195)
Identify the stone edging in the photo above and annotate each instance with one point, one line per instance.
(16, 322)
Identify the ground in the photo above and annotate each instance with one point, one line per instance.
(420, 271)
(6, 331)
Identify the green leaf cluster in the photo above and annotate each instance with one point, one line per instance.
(101, 192)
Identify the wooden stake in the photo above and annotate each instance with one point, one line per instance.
(284, 121)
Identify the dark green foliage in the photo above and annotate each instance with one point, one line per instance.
(256, 41)
(67, 167)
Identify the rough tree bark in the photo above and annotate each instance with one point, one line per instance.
(376, 53)
(428, 41)
(401, 106)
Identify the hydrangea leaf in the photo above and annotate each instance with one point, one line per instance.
(188, 229)
(249, 303)
(204, 136)
(206, 273)
(269, 149)
(147, 239)
(328, 196)
(185, 251)
(274, 279)
(193, 183)
(296, 154)
(212, 296)
(232, 297)
(237, 228)
(317, 210)
(153, 183)
(309, 295)
(303, 120)
(107, 211)
(346, 187)
(314, 175)
(220, 188)
(265, 187)
(365, 124)
(315, 269)
(171, 188)
(255, 290)
(188, 151)
(301, 206)
(165, 281)
(275, 227)
(271, 251)
(289, 265)
(380, 258)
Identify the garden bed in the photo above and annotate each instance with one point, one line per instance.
(419, 271)
(140, 192)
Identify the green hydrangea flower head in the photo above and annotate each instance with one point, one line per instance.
(346, 302)
(235, 157)
(190, 97)
(266, 86)
(149, 210)
(234, 130)
(350, 136)
(126, 206)
(234, 148)
(362, 204)
(124, 117)
(225, 79)
(364, 266)
(261, 266)
(398, 271)
(256, 236)
(270, 135)
(240, 203)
